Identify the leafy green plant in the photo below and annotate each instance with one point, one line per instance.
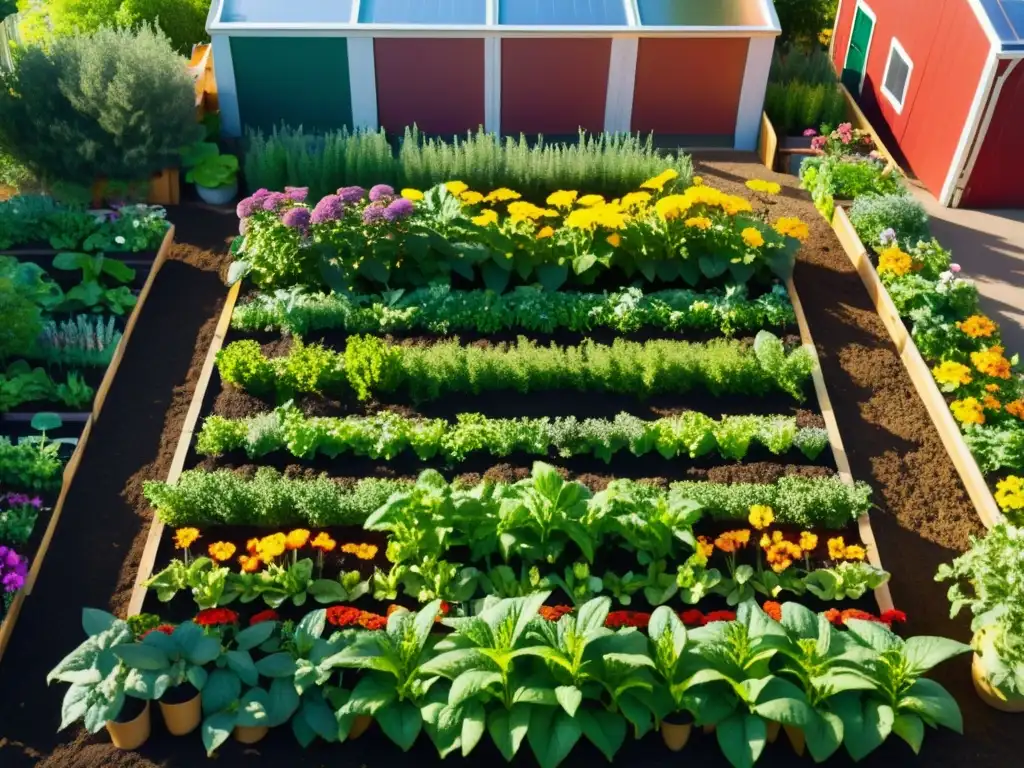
(207, 167)
(20, 383)
(112, 103)
(29, 281)
(796, 106)
(873, 214)
(84, 340)
(22, 322)
(91, 293)
(34, 463)
(159, 662)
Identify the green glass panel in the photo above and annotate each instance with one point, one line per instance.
(701, 13)
(296, 80)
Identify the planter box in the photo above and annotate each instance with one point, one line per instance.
(164, 188)
(920, 373)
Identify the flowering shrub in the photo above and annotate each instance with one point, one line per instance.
(13, 570)
(409, 238)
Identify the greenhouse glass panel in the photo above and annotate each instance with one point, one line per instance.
(562, 13)
(701, 13)
(292, 11)
(449, 12)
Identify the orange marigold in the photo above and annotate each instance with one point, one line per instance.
(185, 537)
(221, 551)
(991, 362)
(978, 327)
(808, 541)
(836, 548)
(249, 564)
(1016, 408)
(297, 539)
(324, 543)
(773, 609)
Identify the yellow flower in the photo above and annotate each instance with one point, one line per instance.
(252, 545)
(323, 542)
(297, 539)
(752, 237)
(993, 388)
(185, 537)
(581, 218)
(589, 200)
(658, 182)
(731, 541)
(808, 541)
(523, 211)
(790, 226)
(249, 564)
(470, 197)
(1010, 493)
(502, 195)
(991, 362)
(412, 194)
(893, 261)
(271, 546)
(699, 222)
(614, 239)
(362, 551)
(952, 374)
(968, 411)
(705, 547)
(456, 187)
(764, 187)
(1016, 408)
(545, 233)
(761, 516)
(836, 548)
(855, 552)
(977, 327)
(610, 216)
(486, 218)
(221, 551)
(780, 565)
(563, 198)
(634, 200)
(698, 181)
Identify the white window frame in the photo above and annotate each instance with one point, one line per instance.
(861, 5)
(897, 102)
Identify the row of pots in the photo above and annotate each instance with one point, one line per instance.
(677, 734)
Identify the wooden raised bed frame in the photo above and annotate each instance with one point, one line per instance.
(71, 468)
(156, 529)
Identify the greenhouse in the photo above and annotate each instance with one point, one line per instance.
(692, 71)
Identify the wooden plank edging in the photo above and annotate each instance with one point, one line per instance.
(768, 145)
(920, 374)
(188, 428)
(71, 468)
(883, 596)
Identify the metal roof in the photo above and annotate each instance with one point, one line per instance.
(1007, 17)
(440, 17)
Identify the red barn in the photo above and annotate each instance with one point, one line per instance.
(946, 77)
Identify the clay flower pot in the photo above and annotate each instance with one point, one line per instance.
(796, 738)
(359, 726)
(132, 727)
(676, 729)
(989, 694)
(250, 734)
(182, 710)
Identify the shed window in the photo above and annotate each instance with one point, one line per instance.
(423, 12)
(897, 75)
(569, 13)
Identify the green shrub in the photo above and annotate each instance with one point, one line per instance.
(22, 323)
(873, 214)
(796, 106)
(792, 64)
(604, 164)
(827, 178)
(115, 103)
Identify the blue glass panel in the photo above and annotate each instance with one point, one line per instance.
(455, 12)
(701, 13)
(295, 11)
(562, 13)
(1008, 19)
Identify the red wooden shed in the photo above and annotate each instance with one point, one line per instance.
(946, 77)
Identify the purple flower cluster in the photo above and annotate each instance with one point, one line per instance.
(22, 500)
(330, 208)
(374, 213)
(13, 569)
(251, 204)
(274, 200)
(350, 195)
(398, 209)
(297, 194)
(297, 218)
(381, 192)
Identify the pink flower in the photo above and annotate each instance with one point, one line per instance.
(845, 137)
(954, 268)
(810, 132)
(818, 142)
(845, 127)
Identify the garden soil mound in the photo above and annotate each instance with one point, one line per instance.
(922, 517)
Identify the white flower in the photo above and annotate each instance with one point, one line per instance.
(119, 240)
(135, 223)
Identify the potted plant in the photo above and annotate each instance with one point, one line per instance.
(215, 175)
(989, 582)
(168, 666)
(97, 695)
(672, 705)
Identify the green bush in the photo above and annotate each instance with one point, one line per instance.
(603, 164)
(22, 323)
(873, 214)
(796, 106)
(183, 21)
(791, 64)
(803, 21)
(830, 177)
(115, 103)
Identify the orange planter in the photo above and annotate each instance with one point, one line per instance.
(164, 188)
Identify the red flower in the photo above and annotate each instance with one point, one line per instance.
(856, 613)
(720, 616)
(692, 618)
(268, 615)
(445, 608)
(554, 612)
(343, 615)
(893, 617)
(372, 621)
(215, 617)
(619, 619)
(773, 609)
(166, 629)
(833, 615)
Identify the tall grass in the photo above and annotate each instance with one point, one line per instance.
(797, 65)
(609, 164)
(803, 91)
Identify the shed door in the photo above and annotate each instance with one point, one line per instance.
(857, 53)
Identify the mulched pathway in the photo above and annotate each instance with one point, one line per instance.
(923, 516)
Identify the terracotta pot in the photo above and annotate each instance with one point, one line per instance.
(709, 729)
(250, 734)
(773, 731)
(676, 734)
(359, 726)
(183, 717)
(133, 733)
(989, 694)
(796, 738)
